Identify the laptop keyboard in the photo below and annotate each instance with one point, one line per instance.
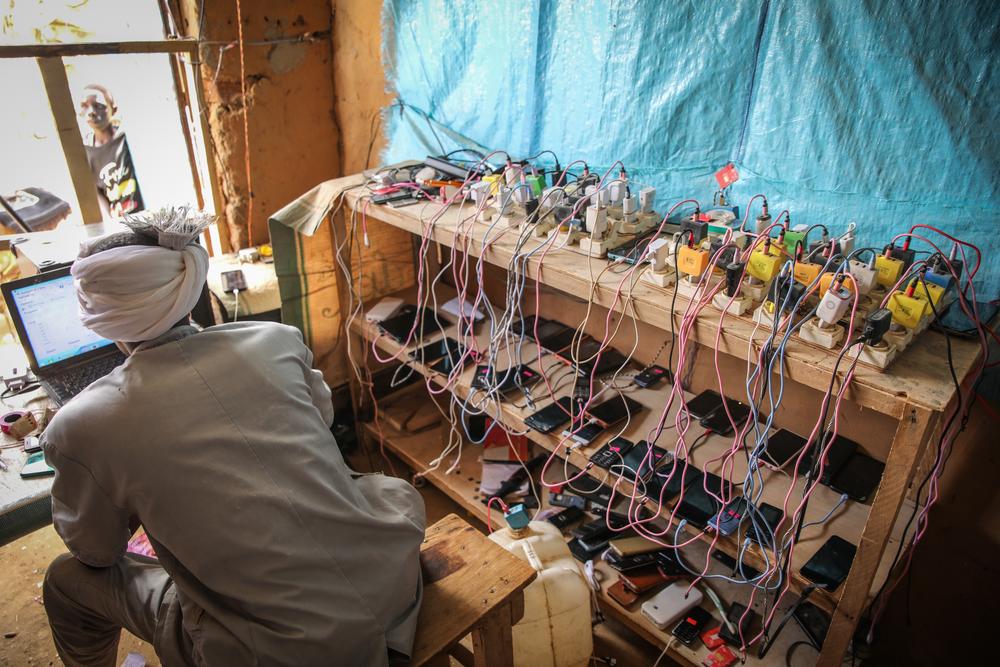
(72, 382)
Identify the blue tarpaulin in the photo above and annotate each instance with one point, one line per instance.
(880, 112)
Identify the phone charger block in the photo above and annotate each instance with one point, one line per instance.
(829, 337)
(899, 337)
(594, 247)
(692, 288)
(737, 305)
(665, 279)
(880, 355)
(755, 293)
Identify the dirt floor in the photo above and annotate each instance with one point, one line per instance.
(26, 639)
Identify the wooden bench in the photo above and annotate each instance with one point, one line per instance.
(470, 585)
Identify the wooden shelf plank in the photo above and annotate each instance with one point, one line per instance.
(918, 376)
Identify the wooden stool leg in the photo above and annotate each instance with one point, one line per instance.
(492, 642)
(440, 660)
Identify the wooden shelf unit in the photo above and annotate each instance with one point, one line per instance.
(914, 392)
(417, 450)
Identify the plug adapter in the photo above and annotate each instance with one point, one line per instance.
(876, 326)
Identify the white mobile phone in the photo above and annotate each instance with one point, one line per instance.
(384, 309)
(666, 607)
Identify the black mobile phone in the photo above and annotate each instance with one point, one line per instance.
(615, 409)
(669, 563)
(762, 522)
(446, 364)
(718, 421)
(733, 566)
(554, 336)
(859, 477)
(505, 381)
(550, 417)
(642, 460)
(837, 456)
(742, 624)
(652, 376)
(567, 500)
(814, 622)
(586, 434)
(704, 404)
(399, 326)
(611, 454)
(630, 562)
(566, 517)
(831, 563)
(696, 505)
(782, 446)
(670, 479)
(610, 358)
(436, 350)
(691, 625)
(584, 551)
(526, 326)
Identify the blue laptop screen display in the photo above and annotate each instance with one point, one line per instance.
(52, 322)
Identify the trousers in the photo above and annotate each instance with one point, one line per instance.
(88, 606)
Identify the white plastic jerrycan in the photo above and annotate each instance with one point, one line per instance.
(555, 630)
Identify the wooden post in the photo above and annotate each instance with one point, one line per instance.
(912, 432)
(492, 640)
(61, 103)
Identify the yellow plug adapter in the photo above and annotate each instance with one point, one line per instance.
(827, 279)
(806, 272)
(907, 311)
(887, 270)
(934, 291)
(763, 266)
(494, 181)
(692, 261)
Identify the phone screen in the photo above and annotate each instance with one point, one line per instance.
(704, 404)
(438, 349)
(615, 410)
(551, 416)
(718, 421)
(783, 446)
(554, 336)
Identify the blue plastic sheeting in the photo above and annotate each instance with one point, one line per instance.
(880, 112)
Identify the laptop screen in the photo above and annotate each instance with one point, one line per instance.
(51, 321)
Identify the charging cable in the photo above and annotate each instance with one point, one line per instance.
(236, 310)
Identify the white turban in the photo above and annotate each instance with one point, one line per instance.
(135, 293)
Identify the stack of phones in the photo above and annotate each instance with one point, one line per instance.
(707, 408)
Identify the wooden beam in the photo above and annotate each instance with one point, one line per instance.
(61, 103)
(206, 139)
(912, 433)
(98, 48)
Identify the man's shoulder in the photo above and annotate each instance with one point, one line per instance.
(254, 329)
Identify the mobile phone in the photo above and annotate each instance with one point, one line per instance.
(446, 364)
(614, 410)
(36, 466)
(641, 460)
(669, 604)
(696, 505)
(515, 377)
(859, 477)
(831, 563)
(632, 545)
(399, 326)
(633, 562)
(610, 358)
(782, 446)
(742, 621)
(526, 326)
(599, 527)
(233, 280)
(586, 434)
(669, 563)
(567, 500)
(690, 625)
(718, 421)
(584, 551)
(733, 566)
(566, 517)
(728, 520)
(762, 524)
(670, 479)
(32, 444)
(813, 621)
(554, 336)
(704, 404)
(837, 456)
(550, 417)
(436, 350)
(611, 454)
(652, 376)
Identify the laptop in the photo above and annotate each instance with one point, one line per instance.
(65, 356)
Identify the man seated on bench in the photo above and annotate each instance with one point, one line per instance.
(271, 551)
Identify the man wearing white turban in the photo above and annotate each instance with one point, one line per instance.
(270, 551)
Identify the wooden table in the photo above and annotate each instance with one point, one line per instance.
(25, 504)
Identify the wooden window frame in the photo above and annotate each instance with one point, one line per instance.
(183, 52)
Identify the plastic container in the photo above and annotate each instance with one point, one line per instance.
(556, 629)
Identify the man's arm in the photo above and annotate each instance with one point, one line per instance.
(94, 529)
